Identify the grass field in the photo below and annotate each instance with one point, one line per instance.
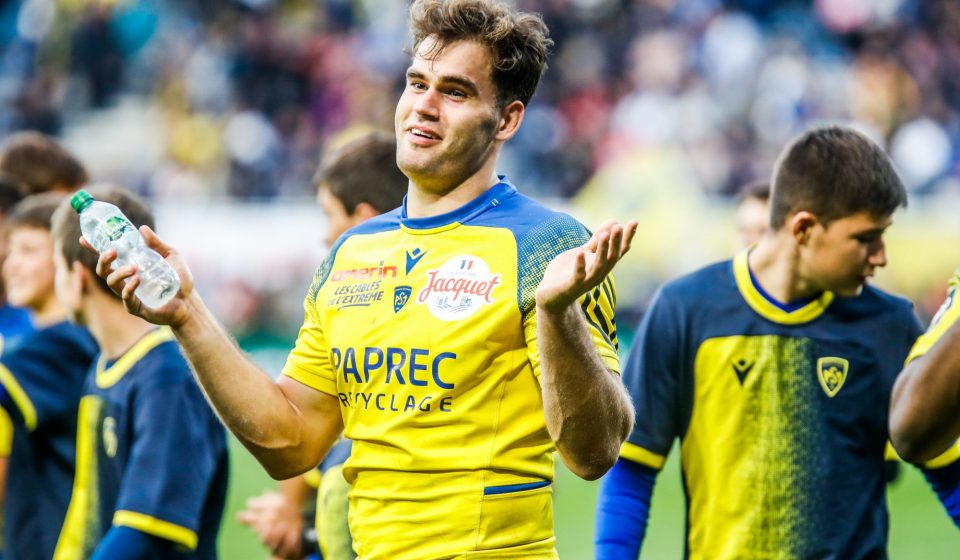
(920, 529)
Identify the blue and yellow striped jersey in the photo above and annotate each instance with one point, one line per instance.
(42, 380)
(425, 330)
(781, 415)
(151, 454)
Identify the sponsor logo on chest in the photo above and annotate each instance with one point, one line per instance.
(458, 288)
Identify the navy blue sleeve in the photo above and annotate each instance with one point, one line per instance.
(946, 483)
(177, 447)
(43, 378)
(623, 508)
(653, 375)
(124, 543)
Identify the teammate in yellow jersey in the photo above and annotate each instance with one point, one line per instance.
(356, 182)
(925, 408)
(457, 341)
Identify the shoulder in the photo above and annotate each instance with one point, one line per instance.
(533, 224)
(63, 341)
(389, 221)
(164, 364)
(699, 287)
(874, 301)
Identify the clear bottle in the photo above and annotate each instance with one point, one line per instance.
(105, 227)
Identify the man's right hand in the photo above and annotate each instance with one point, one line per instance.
(124, 281)
(276, 522)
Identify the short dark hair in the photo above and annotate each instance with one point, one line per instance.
(519, 42)
(38, 163)
(756, 190)
(34, 211)
(66, 225)
(834, 172)
(10, 193)
(365, 170)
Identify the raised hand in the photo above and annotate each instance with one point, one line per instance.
(124, 280)
(576, 271)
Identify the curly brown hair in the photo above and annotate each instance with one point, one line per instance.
(519, 42)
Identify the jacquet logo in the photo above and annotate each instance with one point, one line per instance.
(459, 288)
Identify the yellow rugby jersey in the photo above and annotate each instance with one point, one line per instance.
(945, 318)
(425, 330)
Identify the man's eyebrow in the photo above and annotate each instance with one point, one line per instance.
(453, 79)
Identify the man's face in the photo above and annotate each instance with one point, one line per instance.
(338, 220)
(844, 255)
(28, 269)
(67, 284)
(447, 117)
(753, 219)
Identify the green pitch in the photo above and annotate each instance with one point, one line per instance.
(920, 528)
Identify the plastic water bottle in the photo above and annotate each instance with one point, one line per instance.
(105, 227)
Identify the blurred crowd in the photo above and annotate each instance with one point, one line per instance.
(664, 106)
(210, 98)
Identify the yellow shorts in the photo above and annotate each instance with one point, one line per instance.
(448, 517)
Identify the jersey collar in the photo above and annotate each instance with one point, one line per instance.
(109, 376)
(769, 310)
(442, 222)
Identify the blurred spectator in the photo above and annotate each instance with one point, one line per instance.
(753, 212)
(38, 163)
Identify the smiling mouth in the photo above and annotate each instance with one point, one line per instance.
(423, 134)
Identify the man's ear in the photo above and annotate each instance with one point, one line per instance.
(511, 115)
(88, 279)
(801, 226)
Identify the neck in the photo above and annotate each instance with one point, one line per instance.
(112, 327)
(49, 313)
(426, 199)
(775, 264)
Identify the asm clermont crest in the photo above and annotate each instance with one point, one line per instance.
(832, 372)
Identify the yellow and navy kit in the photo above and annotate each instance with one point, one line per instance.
(151, 454)
(781, 412)
(41, 381)
(945, 318)
(425, 330)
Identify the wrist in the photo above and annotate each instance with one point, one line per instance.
(189, 316)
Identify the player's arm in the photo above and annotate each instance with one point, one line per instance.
(925, 406)
(286, 425)
(588, 412)
(125, 543)
(943, 474)
(652, 374)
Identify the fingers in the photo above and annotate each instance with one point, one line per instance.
(629, 231)
(86, 245)
(105, 262)
(154, 242)
(595, 238)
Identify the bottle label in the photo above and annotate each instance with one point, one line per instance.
(114, 227)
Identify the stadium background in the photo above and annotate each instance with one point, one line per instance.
(658, 110)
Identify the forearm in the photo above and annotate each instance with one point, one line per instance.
(925, 406)
(623, 507)
(248, 402)
(946, 484)
(587, 410)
